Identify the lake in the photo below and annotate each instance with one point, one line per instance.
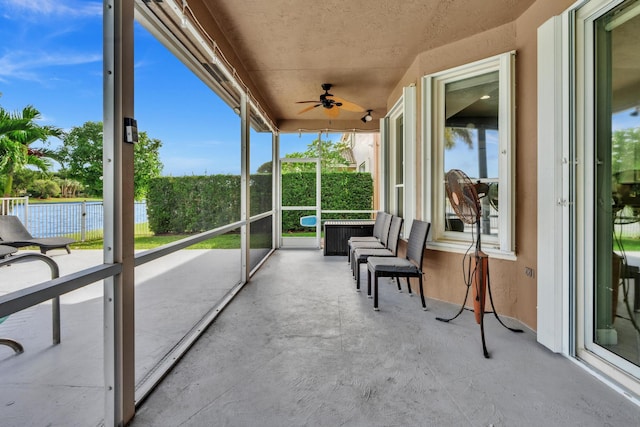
(81, 220)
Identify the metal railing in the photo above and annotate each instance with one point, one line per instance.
(81, 221)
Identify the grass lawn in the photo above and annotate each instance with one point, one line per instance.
(64, 200)
(226, 241)
(628, 244)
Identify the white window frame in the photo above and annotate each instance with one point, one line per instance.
(405, 108)
(433, 98)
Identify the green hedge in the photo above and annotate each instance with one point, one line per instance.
(340, 191)
(193, 204)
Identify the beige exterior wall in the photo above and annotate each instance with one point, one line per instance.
(514, 293)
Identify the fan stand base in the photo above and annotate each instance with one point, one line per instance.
(482, 283)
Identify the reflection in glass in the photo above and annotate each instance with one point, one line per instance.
(617, 192)
(471, 142)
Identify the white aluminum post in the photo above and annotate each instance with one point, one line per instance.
(83, 221)
(244, 187)
(383, 167)
(119, 358)
(275, 190)
(318, 201)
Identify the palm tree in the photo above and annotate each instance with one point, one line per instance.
(453, 133)
(17, 132)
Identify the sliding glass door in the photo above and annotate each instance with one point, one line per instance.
(612, 300)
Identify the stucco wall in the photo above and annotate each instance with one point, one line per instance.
(513, 291)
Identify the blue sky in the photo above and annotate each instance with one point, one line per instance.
(51, 58)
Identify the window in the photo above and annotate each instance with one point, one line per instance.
(468, 116)
(398, 158)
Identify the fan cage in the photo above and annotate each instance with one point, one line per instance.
(462, 196)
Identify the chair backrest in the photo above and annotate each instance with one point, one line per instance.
(417, 240)
(384, 238)
(377, 226)
(12, 229)
(394, 234)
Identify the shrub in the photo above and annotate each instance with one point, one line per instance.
(194, 204)
(44, 188)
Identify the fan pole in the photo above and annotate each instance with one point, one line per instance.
(479, 293)
(480, 285)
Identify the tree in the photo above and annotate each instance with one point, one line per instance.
(17, 132)
(81, 156)
(331, 155)
(146, 163)
(68, 187)
(625, 151)
(453, 133)
(81, 159)
(265, 167)
(44, 188)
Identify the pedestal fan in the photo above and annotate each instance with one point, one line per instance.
(464, 197)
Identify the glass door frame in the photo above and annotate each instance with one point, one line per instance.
(619, 369)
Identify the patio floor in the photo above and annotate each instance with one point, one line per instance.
(299, 347)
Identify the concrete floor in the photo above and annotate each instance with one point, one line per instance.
(63, 385)
(299, 347)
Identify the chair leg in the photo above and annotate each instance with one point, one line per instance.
(397, 279)
(375, 292)
(424, 305)
(368, 282)
(353, 274)
(68, 249)
(408, 285)
(358, 275)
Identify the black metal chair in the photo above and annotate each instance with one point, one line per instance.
(361, 255)
(376, 233)
(381, 243)
(396, 267)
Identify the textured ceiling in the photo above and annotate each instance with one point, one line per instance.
(288, 48)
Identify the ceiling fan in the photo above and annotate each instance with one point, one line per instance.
(331, 104)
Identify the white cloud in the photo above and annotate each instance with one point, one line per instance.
(73, 8)
(24, 65)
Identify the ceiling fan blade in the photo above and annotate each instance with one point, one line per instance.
(332, 112)
(347, 105)
(305, 102)
(304, 110)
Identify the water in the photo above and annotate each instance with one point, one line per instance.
(69, 219)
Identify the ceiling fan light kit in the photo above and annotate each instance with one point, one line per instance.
(367, 117)
(331, 104)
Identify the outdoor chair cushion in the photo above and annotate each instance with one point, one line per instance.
(391, 266)
(410, 266)
(361, 254)
(375, 242)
